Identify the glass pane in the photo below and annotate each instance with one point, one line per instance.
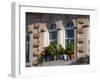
(27, 37)
(53, 42)
(53, 35)
(66, 41)
(68, 25)
(69, 33)
(27, 51)
(71, 24)
(27, 47)
(72, 41)
(53, 26)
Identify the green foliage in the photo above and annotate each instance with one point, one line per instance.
(66, 51)
(51, 49)
(70, 48)
(56, 50)
(61, 50)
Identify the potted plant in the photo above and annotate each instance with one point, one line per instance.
(66, 56)
(47, 53)
(70, 50)
(51, 52)
(54, 51)
(72, 55)
(61, 52)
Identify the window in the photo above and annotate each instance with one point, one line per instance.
(27, 47)
(69, 33)
(53, 34)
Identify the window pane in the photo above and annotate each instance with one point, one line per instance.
(27, 37)
(69, 33)
(72, 41)
(53, 42)
(69, 41)
(66, 41)
(53, 35)
(27, 47)
(27, 51)
(53, 26)
(71, 24)
(68, 25)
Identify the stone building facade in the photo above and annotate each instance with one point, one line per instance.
(43, 29)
